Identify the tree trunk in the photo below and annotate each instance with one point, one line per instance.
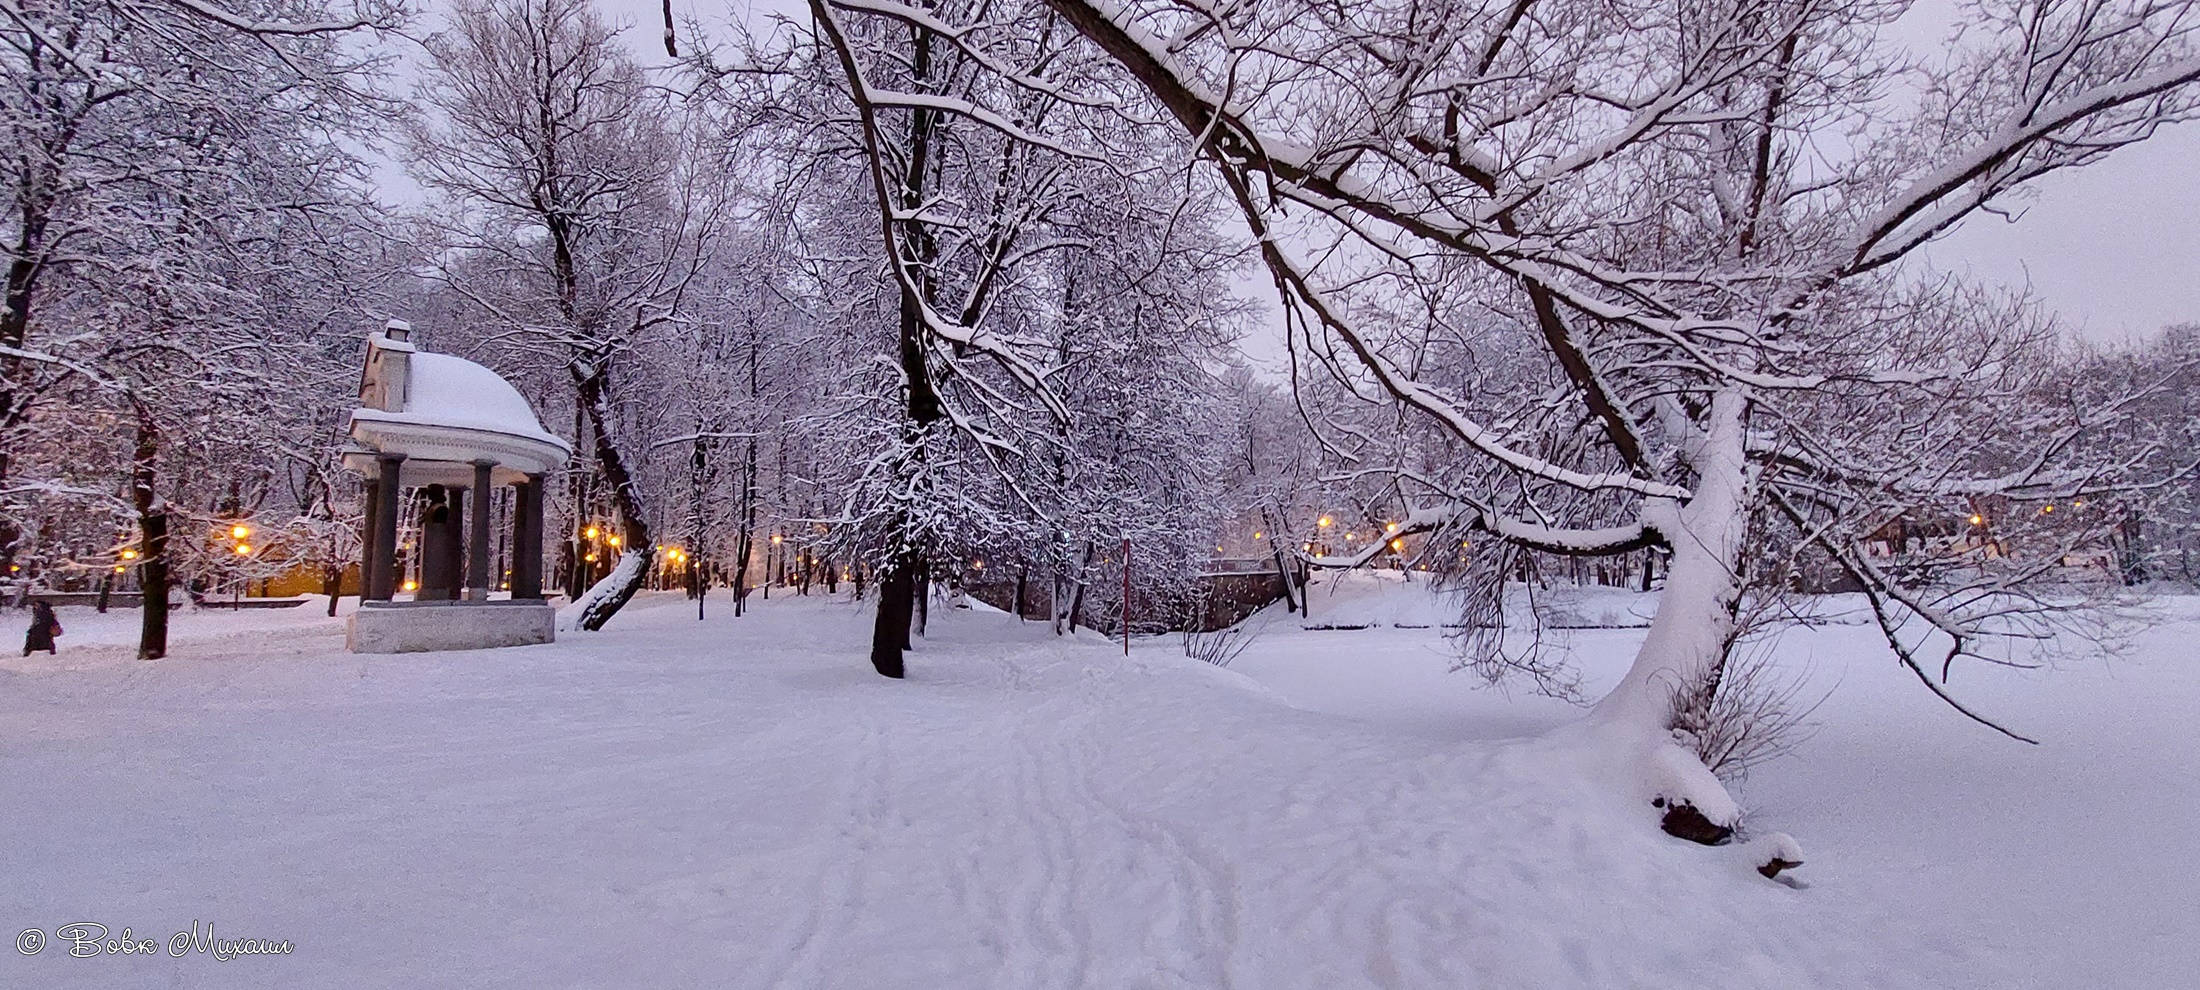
(618, 587)
(890, 632)
(153, 537)
(923, 600)
(1677, 671)
(921, 403)
(744, 546)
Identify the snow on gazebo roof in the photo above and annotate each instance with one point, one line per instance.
(442, 410)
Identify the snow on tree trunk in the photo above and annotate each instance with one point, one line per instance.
(1678, 667)
(603, 599)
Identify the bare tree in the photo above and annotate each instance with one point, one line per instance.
(557, 164)
(1657, 199)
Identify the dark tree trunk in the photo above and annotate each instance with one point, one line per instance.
(625, 497)
(904, 570)
(890, 633)
(153, 533)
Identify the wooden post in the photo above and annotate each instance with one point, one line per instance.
(1126, 596)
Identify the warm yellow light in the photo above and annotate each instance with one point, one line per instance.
(591, 558)
(1977, 520)
(590, 532)
(119, 568)
(1349, 536)
(775, 537)
(1398, 544)
(239, 531)
(1323, 521)
(979, 564)
(412, 585)
(2079, 504)
(1309, 548)
(129, 555)
(1390, 527)
(2047, 508)
(1218, 548)
(613, 540)
(244, 549)
(1256, 534)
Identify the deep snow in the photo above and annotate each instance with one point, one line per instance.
(742, 803)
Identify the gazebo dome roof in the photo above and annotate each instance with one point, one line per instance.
(444, 413)
(453, 392)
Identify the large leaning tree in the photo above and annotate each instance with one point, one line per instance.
(568, 226)
(1696, 217)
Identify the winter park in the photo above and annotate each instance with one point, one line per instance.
(1100, 493)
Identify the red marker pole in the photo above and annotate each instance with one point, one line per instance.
(1126, 596)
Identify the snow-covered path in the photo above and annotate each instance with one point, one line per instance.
(741, 803)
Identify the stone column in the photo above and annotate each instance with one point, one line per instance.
(527, 538)
(381, 574)
(477, 540)
(373, 503)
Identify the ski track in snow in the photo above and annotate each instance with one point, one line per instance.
(742, 803)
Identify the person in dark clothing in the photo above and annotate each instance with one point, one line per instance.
(44, 627)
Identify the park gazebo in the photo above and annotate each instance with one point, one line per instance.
(446, 433)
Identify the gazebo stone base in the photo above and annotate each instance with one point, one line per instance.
(417, 627)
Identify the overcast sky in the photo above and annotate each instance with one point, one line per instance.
(2113, 247)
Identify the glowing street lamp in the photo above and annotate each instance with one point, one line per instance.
(1324, 522)
(775, 539)
(1398, 546)
(239, 531)
(244, 549)
(1977, 520)
(129, 555)
(590, 532)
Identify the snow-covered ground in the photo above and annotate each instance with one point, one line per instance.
(742, 803)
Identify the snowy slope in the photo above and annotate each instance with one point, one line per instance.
(741, 803)
(2059, 861)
